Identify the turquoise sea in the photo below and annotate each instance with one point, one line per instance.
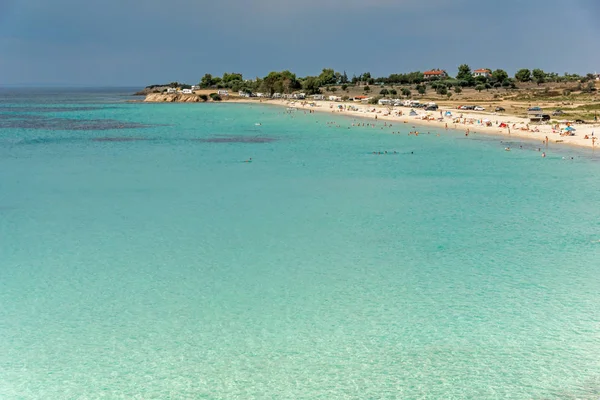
(142, 258)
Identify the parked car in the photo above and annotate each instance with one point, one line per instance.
(431, 108)
(500, 109)
(558, 112)
(579, 121)
(478, 108)
(534, 109)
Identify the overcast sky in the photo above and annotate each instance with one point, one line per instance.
(140, 42)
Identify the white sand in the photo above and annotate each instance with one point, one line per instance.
(473, 121)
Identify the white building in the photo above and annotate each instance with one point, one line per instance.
(318, 97)
(187, 91)
(195, 87)
(277, 95)
(435, 74)
(335, 98)
(482, 72)
(171, 90)
(223, 92)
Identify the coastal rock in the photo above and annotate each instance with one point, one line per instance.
(172, 98)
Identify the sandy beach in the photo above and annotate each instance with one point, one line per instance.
(470, 122)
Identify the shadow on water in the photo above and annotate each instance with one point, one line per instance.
(238, 139)
(124, 139)
(66, 124)
(34, 109)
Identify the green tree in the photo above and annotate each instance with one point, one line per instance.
(393, 92)
(523, 75)
(499, 75)
(421, 89)
(457, 89)
(327, 77)
(384, 92)
(228, 78)
(311, 85)
(344, 78)
(406, 92)
(464, 73)
(280, 82)
(367, 88)
(344, 87)
(539, 76)
(479, 88)
(206, 81)
(442, 90)
(481, 80)
(449, 94)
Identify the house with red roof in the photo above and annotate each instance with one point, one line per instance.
(482, 72)
(435, 74)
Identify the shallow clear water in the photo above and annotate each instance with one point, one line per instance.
(140, 257)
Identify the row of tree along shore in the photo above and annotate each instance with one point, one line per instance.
(288, 82)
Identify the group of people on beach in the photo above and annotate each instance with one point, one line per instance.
(415, 132)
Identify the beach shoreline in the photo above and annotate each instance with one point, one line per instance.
(469, 122)
(472, 122)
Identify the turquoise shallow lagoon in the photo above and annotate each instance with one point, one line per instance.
(141, 258)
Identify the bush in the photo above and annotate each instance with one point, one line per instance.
(442, 90)
(590, 87)
(345, 98)
(367, 88)
(344, 87)
(393, 92)
(204, 97)
(566, 92)
(374, 100)
(384, 92)
(457, 89)
(449, 94)
(215, 97)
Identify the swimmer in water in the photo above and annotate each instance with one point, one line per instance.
(507, 149)
(544, 155)
(249, 160)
